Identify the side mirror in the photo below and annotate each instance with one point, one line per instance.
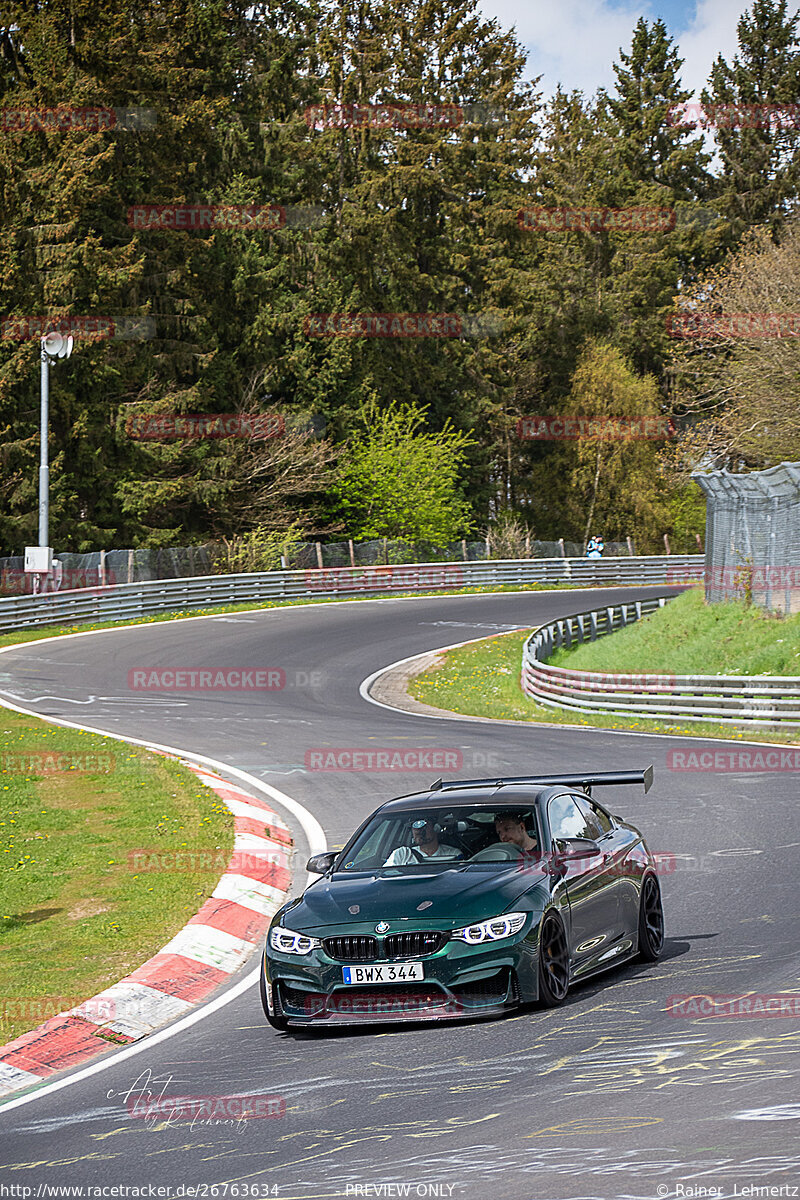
(573, 850)
(320, 864)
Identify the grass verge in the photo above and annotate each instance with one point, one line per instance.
(75, 916)
(482, 680)
(690, 637)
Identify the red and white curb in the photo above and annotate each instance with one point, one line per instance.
(207, 951)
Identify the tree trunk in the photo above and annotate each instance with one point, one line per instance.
(588, 530)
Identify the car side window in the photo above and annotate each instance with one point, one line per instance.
(567, 820)
(595, 815)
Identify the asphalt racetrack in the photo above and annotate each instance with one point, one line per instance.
(609, 1096)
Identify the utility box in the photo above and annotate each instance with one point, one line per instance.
(39, 559)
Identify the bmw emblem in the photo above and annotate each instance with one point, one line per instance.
(382, 926)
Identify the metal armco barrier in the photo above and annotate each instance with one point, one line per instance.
(735, 699)
(130, 600)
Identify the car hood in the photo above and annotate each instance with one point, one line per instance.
(432, 900)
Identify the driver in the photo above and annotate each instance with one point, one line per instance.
(510, 827)
(425, 844)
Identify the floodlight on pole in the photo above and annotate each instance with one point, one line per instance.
(54, 346)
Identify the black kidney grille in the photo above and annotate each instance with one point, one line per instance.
(351, 949)
(412, 945)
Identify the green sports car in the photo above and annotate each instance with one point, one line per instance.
(469, 899)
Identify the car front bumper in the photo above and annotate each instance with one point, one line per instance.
(459, 981)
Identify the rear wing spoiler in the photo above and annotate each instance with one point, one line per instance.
(584, 780)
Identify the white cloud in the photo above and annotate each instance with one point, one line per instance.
(572, 42)
(712, 32)
(575, 42)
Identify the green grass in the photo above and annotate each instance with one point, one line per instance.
(75, 916)
(690, 637)
(482, 680)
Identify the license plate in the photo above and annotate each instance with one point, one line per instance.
(384, 973)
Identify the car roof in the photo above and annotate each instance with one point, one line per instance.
(494, 794)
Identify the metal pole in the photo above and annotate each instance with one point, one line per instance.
(44, 468)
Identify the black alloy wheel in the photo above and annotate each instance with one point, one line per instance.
(651, 920)
(553, 963)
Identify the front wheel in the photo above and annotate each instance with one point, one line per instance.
(553, 963)
(277, 1020)
(651, 920)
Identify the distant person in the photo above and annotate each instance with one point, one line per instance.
(595, 547)
(425, 845)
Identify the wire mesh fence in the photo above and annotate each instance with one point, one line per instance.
(102, 568)
(385, 551)
(106, 567)
(753, 537)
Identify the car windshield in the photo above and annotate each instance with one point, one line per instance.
(488, 838)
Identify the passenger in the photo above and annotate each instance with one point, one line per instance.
(510, 827)
(426, 844)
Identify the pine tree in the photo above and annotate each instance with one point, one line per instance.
(659, 164)
(651, 145)
(68, 247)
(760, 153)
(619, 152)
(418, 218)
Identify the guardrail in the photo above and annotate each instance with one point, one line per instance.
(733, 699)
(130, 600)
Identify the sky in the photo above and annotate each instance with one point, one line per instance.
(575, 42)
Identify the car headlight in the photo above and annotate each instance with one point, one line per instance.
(286, 941)
(491, 931)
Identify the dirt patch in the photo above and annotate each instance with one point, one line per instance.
(86, 908)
